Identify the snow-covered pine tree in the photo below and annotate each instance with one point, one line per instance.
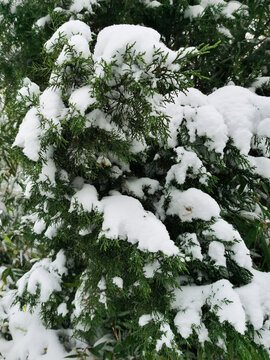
(242, 56)
(242, 27)
(132, 185)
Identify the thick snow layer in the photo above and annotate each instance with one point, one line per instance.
(136, 186)
(28, 135)
(62, 309)
(30, 339)
(261, 165)
(87, 198)
(28, 92)
(192, 204)
(229, 112)
(113, 40)
(48, 172)
(81, 99)
(167, 337)
(45, 275)
(255, 298)
(39, 226)
(242, 110)
(77, 48)
(175, 112)
(263, 128)
(220, 296)
(51, 105)
(225, 302)
(209, 123)
(125, 218)
(189, 301)
(52, 229)
(66, 31)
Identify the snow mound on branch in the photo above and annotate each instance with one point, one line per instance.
(66, 31)
(136, 186)
(87, 197)
(125, 218)
(229, 112)
(186, 160)
(242, 112)
(250, 303)
(113, 41)
(225, 232)
(261, 165)
(45, 275)
(28, 135)
(28, 92)
(80, 49)
(192, 204)
(81, 99)
(220, 296)
(30, 338)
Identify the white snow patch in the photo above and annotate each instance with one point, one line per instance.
(81, 99)
(66, 31)
(118, 282)
(151, 268)
(44, 274)
(87, 197)
(126, 219)
(28, 135)
(137, 186)
(192, 204)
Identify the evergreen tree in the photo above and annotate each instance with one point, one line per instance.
(135, 185)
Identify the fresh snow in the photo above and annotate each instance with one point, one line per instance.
(229, 112)
(87, 198)
(66, 31)
(79, 5)
(126, 219)
(220, 296)
(44, 274)
(118, 282)
(216, 252)
(191, 245)
(113, 40)
(186, 160)
(138, 186)
(225, 232)
(81, 99)
(151, 268)
(77, 47)
(227, 8)
(192, 204)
